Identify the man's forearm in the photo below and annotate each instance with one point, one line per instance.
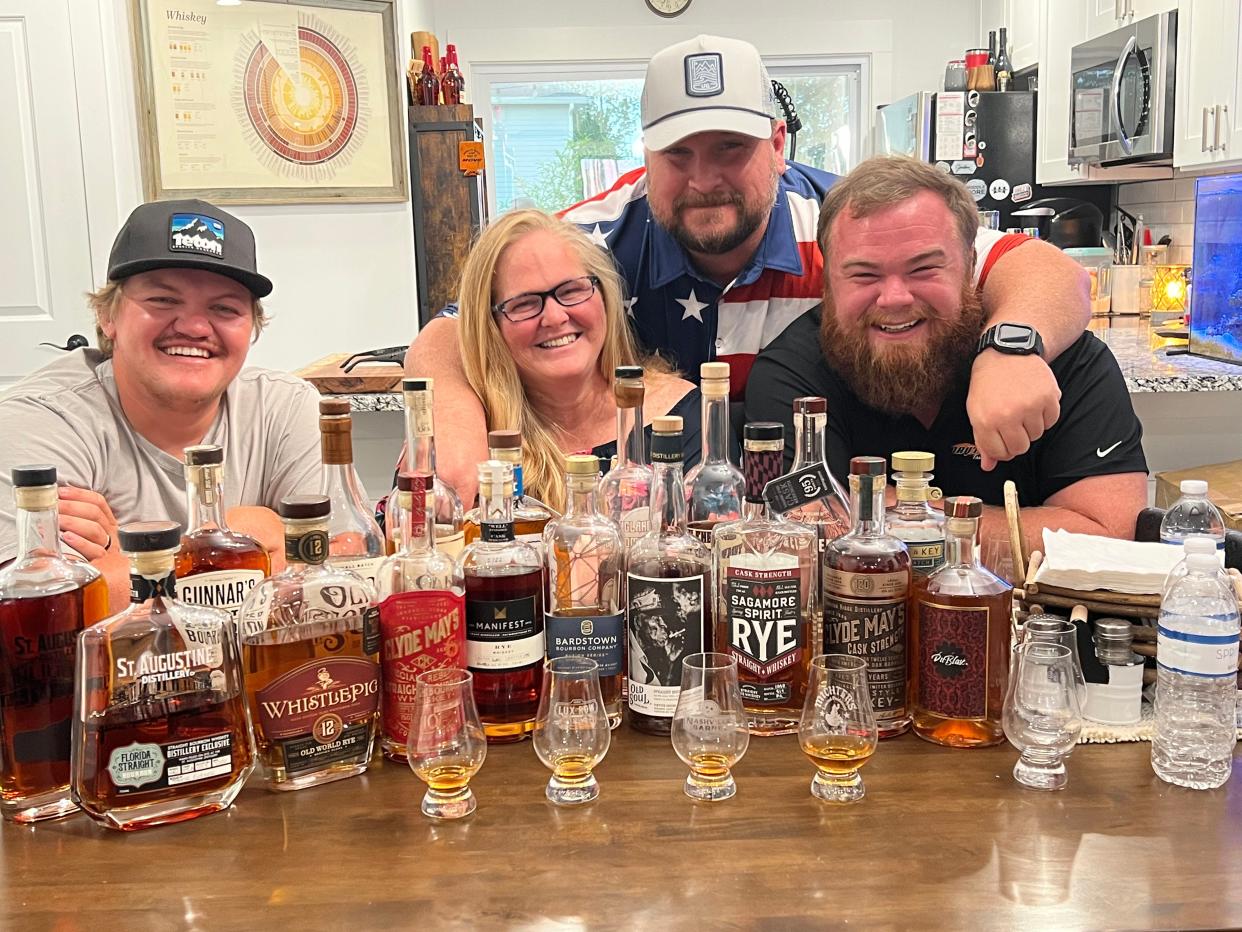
(1037, 284)
(994, 527)
(114, 566)
(263, 525)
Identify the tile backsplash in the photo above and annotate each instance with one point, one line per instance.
(1168, 208)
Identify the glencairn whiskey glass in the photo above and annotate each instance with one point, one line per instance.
(446, 745)
(838, 731)
(710, 728)
(1042, 718)
(571, 733)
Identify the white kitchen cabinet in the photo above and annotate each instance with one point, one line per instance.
(1021, 18)
(1209, 85)
(1106, 15)
(1228, 123)
(1062, 23)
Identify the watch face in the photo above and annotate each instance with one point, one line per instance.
(1015, 336)
(668, 7)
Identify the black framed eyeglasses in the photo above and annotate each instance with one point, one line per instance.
(530, 304)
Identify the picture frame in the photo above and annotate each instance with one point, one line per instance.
(270, 101)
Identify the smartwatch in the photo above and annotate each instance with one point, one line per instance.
(1014, 339)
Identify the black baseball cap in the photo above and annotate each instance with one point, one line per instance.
(187, 234)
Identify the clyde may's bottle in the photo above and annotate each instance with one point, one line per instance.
(420, 459)
(160, 731)
(45, 602)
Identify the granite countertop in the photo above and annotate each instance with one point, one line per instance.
(1147, 369)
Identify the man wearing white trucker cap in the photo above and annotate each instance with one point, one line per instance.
(174, 324)
(731, 258)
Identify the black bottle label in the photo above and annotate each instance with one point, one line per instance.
(664, 618)
(598, 637)
(503, 635)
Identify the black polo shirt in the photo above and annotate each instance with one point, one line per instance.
(1097, 434)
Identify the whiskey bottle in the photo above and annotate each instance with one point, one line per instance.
(160, 730)
(216, 567)
(452, 84)
(912, 520)
(504, 613)
(765, 569)
(420, 446)
(428, 83)
(866, 586)
(626, 489)
(668, 591)
(960, 640)
(310, 636)
(585, 560)
(45, 602)
(714, 487)
(829, 514)
(422, 613)
(530, 516)
(355, 542)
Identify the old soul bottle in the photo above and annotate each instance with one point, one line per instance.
(45, 602)
(767, 592)
(668, 592)
(504, 613)
(160, 730)
(422, 612)
(866, 585)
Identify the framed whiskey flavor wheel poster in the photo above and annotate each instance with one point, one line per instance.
(270, 102)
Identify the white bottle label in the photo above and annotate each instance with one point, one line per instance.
(1209, 655)
(226, 589)
(366, 567)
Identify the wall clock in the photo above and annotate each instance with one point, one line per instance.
(668, 8)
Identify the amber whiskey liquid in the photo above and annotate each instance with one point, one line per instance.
(219, 568)
(838, 754)
(504, 619)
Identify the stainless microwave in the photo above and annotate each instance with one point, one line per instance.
(1121, 94)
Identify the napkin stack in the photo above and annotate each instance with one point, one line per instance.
(1085, 562)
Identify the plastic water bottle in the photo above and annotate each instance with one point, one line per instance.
(1193, 513)
(1195, 543)
(1196, 677)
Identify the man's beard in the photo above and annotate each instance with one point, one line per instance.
(749, 219)
(904, 379)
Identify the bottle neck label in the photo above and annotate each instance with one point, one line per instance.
(142, 588)
(798, 488)
(496, 532)
(311, 547)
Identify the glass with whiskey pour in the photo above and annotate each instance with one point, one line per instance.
(422, 613)
(960, 641)
(912, 520)
(714, 486)
(216, 567)
(766, 570)
(355, 542)
(866, 585)
(625, 491)
(420, 459)
(504, 613)
(310, 636)
(45, 602)
(585, 559)
(668, 592)
(160, 731)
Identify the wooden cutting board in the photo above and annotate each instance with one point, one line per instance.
(367, 378)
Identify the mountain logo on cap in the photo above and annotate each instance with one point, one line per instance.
(704, 74)
(196, 233)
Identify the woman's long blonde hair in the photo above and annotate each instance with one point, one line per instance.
(489, 365)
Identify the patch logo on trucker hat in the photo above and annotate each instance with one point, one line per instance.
(196, 233)
(704, 74)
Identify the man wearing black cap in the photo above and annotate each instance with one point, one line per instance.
(174, 323)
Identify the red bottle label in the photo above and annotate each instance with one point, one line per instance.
(319, 698)
(418, 631)
(953, 661)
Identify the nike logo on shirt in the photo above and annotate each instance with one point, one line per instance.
(1103, 453)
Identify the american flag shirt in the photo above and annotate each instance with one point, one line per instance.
(692, 320)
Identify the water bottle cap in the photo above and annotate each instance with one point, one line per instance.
(1199, 543)
(1202, 563)
(1193, 487)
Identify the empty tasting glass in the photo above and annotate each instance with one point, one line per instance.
(710, 728)
(838, 731)
(572, 733)
(1042, 718)
(446, 745)
(1053, 629)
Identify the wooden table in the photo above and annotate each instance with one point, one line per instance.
(944, 839)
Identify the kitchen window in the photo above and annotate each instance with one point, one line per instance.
(556, 134)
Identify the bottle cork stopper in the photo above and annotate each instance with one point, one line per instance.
(333, 407)
(582, 464)
(867, 466)
(913, 461)
(963, 506)
(504, 440)
(810, 405)
(666, 424)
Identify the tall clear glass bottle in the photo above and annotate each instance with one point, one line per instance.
(962, 616)
(504, 613)
(420, 459)
(668, 591)
(355, 542)
(766, 573)
(714, 486)
(830, 514)
(626, 488)
(866, 586)
(310, 636)
(45, 602)
(422, 612)
(912, 520)
(160, 730)
(530, 516)
(216, 567)
(585, 562)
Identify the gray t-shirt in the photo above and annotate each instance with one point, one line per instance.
(68, 414)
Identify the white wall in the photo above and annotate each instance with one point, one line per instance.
(344, 275)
